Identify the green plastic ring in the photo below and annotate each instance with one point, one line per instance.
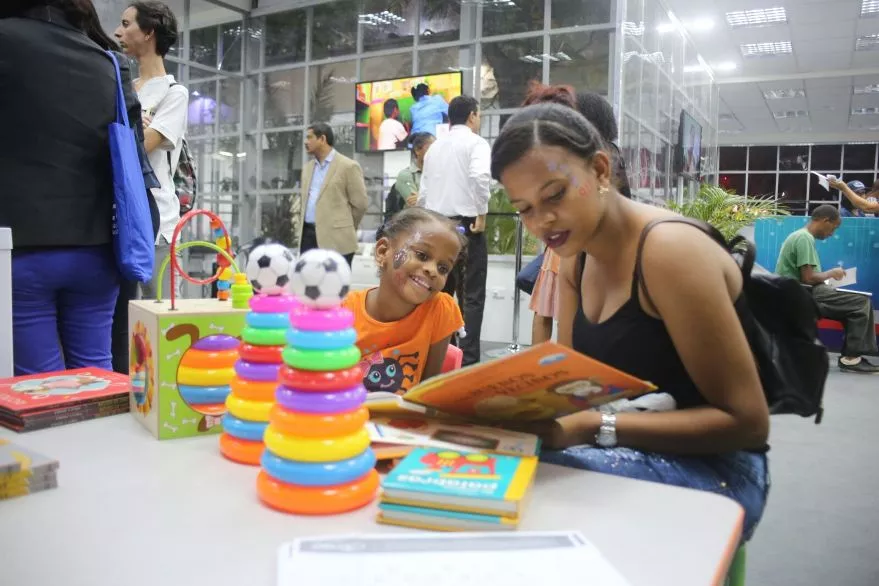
(321, 360)
(264, 337)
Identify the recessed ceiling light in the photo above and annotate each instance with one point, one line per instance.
(781, 94)
(867, 43)
(869, 7)
(764, 49)
(867, 89)
(864, 111)
(790, 114)
(756, 17)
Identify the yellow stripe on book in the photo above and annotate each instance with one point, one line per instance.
(522, 479)
(453, 508)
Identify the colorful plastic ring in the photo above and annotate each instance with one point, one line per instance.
(308, 340)
(307, 449)
(241, 451)
(204, 377)
(268, 321)
(275, 337)
(323, 360)
(272, 303)
(321, 320)
(307, 380)
(193, 395)
(261, 354)
(257, 371)
(253, 390)
(214, 409)
(311, 402)
(249, 410)
(201, 359)
(243, 429)
(318, 425)
(318, 474)
(317, 500)
(217, 343)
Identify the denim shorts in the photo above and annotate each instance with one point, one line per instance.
(741, 476)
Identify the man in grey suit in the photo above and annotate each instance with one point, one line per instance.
(334, 196)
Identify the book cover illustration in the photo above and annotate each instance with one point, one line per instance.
(462, 436)
(24, 394)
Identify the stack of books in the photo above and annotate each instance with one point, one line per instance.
(449, 490)
(45, 400)
(23, 471)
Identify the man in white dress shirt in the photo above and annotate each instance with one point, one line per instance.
(455, 182)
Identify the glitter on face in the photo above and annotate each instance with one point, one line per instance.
(400, 258)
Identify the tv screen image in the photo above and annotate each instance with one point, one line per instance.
(690, 146)
(386, 112)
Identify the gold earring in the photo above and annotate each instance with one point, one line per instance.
(603, 190)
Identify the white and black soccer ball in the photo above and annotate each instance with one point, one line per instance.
(320, 278)
(269, 267)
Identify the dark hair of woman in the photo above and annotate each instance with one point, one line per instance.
(80, 14)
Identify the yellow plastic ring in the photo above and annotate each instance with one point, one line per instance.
(249, 410)
(306, 449)
(204, 377)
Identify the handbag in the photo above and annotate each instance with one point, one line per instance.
(133, 240)
(780, 321)
(528, 276)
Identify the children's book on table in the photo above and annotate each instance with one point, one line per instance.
(23, 471)
(543, 382)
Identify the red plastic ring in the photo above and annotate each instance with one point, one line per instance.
(260, 354)
(307, 380)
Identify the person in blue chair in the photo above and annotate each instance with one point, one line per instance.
(428, 111)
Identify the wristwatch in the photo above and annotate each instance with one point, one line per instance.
(607, 433)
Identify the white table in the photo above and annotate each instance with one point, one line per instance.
(133, 511)
(5, 302)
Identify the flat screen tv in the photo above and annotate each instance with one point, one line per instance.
(386, 112)
(689, 156)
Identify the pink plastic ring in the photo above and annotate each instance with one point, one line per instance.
(311, 402)
(272, 303)
(321, 320)
(257, 371)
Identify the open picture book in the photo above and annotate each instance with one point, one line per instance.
(543, 382)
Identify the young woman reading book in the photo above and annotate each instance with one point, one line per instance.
(659, 301)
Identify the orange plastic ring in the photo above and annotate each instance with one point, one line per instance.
(318, 425)
(261, 354)
(253, 390)
(202, 359)
(306, 380)
(317, 500)
(241, 451)
(209, 409)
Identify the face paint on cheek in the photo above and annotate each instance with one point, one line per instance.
(400, 258)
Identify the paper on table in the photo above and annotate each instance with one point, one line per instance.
(850, 278)
(822, 180)
(439, 559)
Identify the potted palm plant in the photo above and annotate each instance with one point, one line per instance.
(726, 210)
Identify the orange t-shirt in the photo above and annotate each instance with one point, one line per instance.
(394, 353)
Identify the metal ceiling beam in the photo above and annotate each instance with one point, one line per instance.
(798, 76)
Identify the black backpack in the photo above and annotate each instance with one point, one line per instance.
(780, 320)
(394, 202)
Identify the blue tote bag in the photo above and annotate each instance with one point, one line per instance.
(133, 240)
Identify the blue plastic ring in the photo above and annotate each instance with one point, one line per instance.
(243, 429)
(194, 395)
(321, 340)
(318, 474)
(268, 321)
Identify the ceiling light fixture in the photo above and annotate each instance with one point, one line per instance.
(867, 89)
(756, 17)
(869, 7)
(633, 29)
(867, 43)
(766, 49)
(790, 114)
(783, 94)
(864, 111)
(380, 18)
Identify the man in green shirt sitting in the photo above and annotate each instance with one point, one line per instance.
(799, 260)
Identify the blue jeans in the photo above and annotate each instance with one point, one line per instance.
(741, 476)
(62, 308)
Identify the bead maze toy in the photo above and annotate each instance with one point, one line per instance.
(183, 351)
(317, 459)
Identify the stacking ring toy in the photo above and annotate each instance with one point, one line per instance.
(205, 359)
(321, 359)
(194, 395)
(321, 320)
(217, 342)
(260, 354)
(310, 402)
(241, 451)
(317, 500)
(257, 371)
(249, 410)
(272, 303)
(215, 409)
(314, 474)
(308, 340)
(253, 390)
(242, 429)
(204, 377)
(318, 425)
(315, 449)
(308, 380)
(275, 337)
(268, 321)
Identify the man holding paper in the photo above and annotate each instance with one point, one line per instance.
(799, 260)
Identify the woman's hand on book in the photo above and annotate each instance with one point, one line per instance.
(556, 434)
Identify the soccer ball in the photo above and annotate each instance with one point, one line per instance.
(269, 267)
(321, 278)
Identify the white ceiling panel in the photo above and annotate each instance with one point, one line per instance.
(865, 59)
(808, 33)
(827, 83)
(865, 101)
(817, 61)
(868, 26)
(826, 12)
